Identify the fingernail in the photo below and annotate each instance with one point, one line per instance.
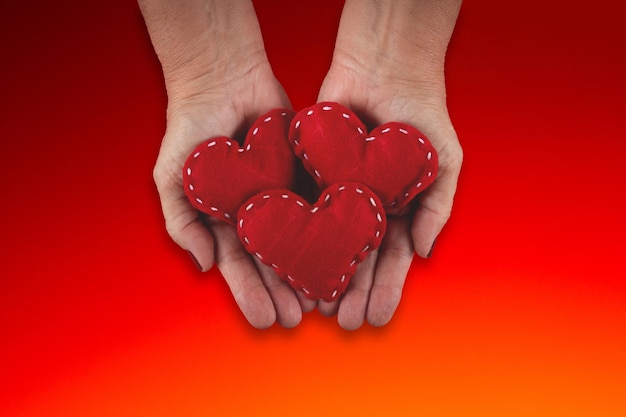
(430, 252)
(195, 261)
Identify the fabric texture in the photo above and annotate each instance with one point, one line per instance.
(315, 248)
(219, 175)
(359, 177)
(395, 160)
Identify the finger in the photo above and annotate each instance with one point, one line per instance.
(328, 309)
(242, 277)
(286, 304)
(353, 305)
(306, 304)
(182, 221)
(436, 202)
(394, 260)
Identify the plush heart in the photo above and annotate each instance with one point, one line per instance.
(395, 160)
(315, 248)
(219, 175)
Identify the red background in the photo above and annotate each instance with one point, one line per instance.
(521, 311)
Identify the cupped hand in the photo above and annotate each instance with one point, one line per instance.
(211, 105)
(419, 99)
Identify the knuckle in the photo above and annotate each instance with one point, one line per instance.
(161, 175)
(457, 156)
(453, 157)
(176, 225)
(442, 209)
(157, 176)
(230, 257)
(399, 252)
(172, 230)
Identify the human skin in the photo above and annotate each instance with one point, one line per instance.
(218, 81)
(387, 65)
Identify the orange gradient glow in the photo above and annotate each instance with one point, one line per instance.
(521, 311)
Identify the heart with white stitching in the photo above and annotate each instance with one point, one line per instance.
(219, 175)
(315, 248)
(395, 160)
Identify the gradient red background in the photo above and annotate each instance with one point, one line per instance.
(521, 310)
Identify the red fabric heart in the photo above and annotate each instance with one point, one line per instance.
(395, 160)
(219, 175)
(316, 248)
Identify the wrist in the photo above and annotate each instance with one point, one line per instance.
(203, 45)
(401, 40)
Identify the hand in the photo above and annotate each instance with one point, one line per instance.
(216, 92)
(385, 73)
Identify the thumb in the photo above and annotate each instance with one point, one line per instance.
(182, 221)
(435, 205)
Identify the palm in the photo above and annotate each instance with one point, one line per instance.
(229, 111)
(375, 290)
